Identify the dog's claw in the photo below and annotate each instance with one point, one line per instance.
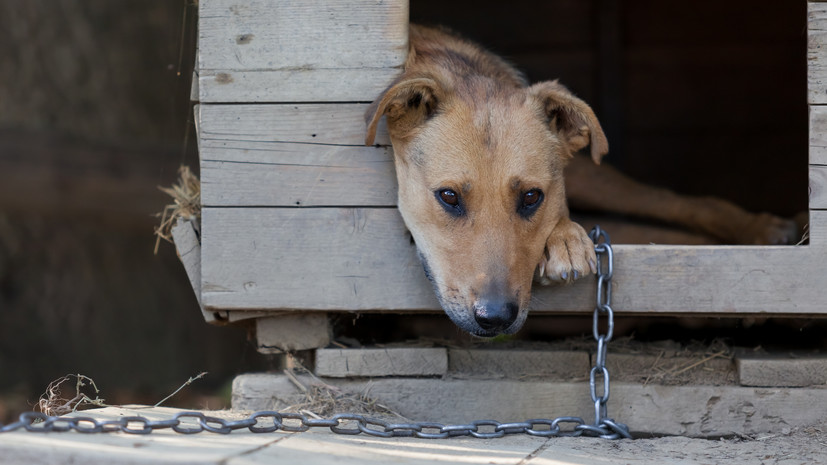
(569, 254)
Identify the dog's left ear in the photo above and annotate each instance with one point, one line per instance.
(407, 103)
(571, 118)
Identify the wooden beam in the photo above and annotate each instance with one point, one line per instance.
(314, 50)
(816, 52)
(314, 123)
(291, 332)
(297, 175)
(279, 258)
(695, 410)
(818, 134)
(389, 361)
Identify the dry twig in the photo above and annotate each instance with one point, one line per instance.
(51, 402)
(187, 383)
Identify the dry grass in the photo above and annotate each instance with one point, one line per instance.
(53, 403)
(186, 195)
(323, 400)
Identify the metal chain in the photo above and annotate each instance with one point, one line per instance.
(603, 250)
(268, 421)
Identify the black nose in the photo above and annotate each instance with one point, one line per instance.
(495, 316)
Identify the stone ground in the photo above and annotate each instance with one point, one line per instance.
(319, 446)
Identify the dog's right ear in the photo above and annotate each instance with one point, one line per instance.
(571, 118)
(407, 103)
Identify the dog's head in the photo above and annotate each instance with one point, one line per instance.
(480, 172)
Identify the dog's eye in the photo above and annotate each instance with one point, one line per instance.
(449, 197)
(531, 197)
(529, 202)
(450, 201)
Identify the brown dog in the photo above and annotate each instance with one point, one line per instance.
(479, 158)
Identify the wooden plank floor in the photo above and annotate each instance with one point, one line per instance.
(322, 447)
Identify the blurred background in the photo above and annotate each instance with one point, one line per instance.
(705, 97)
(94, 116)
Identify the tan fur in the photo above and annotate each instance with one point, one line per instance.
(461, 119)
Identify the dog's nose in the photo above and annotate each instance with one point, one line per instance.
(495, 316)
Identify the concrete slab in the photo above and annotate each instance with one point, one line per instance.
(319, 446)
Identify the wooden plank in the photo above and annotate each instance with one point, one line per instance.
(362, 259)
(289, 332)
(188, 246)
(288, 155)
(818, 135)
(162, 446)
(518, 363)
(817, 229)
(816, 52)
(818, 186)
(331, 124)
(390, 361)
(781, 371)
(318, 258)
(696, 410)
(297, 175)
(294, 85)
(315, 50)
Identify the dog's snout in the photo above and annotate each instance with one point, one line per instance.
(495, 316)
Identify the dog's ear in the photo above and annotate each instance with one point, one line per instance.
(407, 103)
(571, 118)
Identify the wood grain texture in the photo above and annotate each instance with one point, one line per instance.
(315, 50)
(818, 135)
(293, 155)
(188, 246)
(816, 52)
(766, 370)
(362, 259)
(388, 361)
(695, 410)
(289, 332)
(818, 187)
(336, 124)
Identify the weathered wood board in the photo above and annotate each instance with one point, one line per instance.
(818, 135)
(293, 155)
(350, 251)
(817, 53)
(777, 370)
(314, 50)
(518, 363)
(362, 259)
(700, 411)
(291, 332)
(390, 361)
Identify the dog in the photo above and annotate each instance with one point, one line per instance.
(480, 157)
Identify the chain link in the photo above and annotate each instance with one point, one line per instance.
(603, 307)
(268, 421)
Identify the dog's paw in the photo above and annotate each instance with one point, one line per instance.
(766, 229)
(569, 255)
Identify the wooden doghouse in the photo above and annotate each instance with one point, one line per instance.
(299, 217)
